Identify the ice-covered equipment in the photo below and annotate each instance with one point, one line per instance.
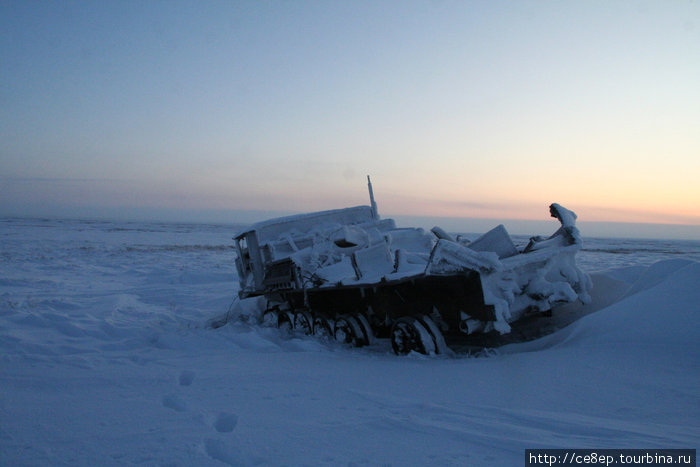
(349, 274)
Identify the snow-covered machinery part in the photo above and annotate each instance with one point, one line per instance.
(349, 274)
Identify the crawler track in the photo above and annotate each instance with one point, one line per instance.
(408, 333)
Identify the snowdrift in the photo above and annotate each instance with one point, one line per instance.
(659, 312)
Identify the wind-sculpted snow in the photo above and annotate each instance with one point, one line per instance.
(106, 359)
(659, 312)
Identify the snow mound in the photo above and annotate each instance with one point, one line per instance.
(660, 312)
(657, 273)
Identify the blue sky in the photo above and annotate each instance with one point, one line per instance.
(460, 109)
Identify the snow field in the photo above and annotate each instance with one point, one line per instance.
(105, 359)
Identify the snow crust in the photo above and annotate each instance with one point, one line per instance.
(106, 359)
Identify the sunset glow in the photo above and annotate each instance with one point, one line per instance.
(457, 109)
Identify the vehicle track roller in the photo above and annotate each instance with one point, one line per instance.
(366, 329)
(323, 327)
(435, 334)
(271, 318)
(348, 330)
(303, 322)
(408, 334)
(285, 321)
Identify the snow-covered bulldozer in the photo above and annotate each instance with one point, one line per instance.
(352, 276)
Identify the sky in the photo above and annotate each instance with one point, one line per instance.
(237, 110)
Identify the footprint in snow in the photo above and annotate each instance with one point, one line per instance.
(172, 401)
(220, 451)
(225, 422)
(186, 377)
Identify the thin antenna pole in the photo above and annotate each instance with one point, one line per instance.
(373, 204)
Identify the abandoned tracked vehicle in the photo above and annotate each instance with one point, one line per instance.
(351, 275)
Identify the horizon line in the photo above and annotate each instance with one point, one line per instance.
(474, 225)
